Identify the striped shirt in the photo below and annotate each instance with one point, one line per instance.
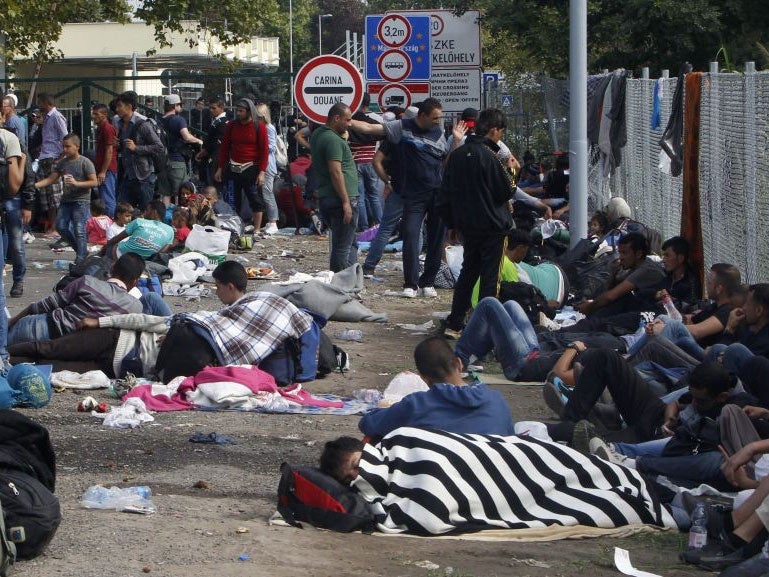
(83, 298)
(362, 152)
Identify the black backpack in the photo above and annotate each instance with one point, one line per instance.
(31, 512)
(307, 494)
(159, 159)
(530, 298)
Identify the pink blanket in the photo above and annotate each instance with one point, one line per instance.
(162, 398)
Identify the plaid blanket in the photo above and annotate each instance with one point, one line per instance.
(251, 328)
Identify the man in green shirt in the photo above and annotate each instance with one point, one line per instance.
(337, 185)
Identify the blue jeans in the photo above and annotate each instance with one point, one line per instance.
(268, 197)
(344, 243)
(107, 192)
(137, 193)
(414, 211)
(393, 210)
(153, 304)
(70, 224)
(28, 328)
(13, 238)
(369, 196)
(678, 334)
(3, 316)
(502, 327)
(689, 470)
(647, 449)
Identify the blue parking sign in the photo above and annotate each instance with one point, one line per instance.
(397, 48)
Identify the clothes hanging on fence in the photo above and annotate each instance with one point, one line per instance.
(691, 224)
(672, 141)
(658, 95)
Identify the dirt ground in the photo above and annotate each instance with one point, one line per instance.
(195, 531)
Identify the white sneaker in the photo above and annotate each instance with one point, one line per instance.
(547, 323)
(428, 292)
(603, 450)
(271, 228)
(408, 293)
(28, 237)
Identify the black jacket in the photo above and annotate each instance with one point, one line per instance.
(476, 190)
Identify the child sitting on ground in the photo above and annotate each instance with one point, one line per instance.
(97, 225)
(123, 215)
(219, 206)
(181, 223)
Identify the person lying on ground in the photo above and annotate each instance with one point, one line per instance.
(448, 405)
(145, 236)
(691, 419)
(745, 334)
(435, 482)
(84, 297)
(245, 331)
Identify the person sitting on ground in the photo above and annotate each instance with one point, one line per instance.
(97, 225)
(84, 297)
(124, 213)
(633, 275)
(680, 282)
(181, 225)
(686, 427)
(598, 226)
(145, 236)
(217, 204)
(449, 405)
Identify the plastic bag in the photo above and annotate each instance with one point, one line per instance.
(186, 267)
(208, 240)
(403, 384)
(129, 500)
(455, 254)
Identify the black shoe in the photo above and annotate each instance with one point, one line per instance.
(715, 558)
(584, 430)
(554, 398)
(17, 289)
(61, 243)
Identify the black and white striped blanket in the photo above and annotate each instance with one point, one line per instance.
(433, 482)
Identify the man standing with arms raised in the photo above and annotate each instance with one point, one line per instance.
(337, 185)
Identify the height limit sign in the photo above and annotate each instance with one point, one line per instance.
(397, 48)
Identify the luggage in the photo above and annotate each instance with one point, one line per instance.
(307, 494)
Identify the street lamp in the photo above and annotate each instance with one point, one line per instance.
(320, 31)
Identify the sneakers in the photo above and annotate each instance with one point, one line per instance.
(447, 332)
(270, 229)
(17, 289)
(555, 398)
(408, 293)
(603, 450)
(547, 323)
(28, 237)
(61, 243)
(584, 430)
(428, 292)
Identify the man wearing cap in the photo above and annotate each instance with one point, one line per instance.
(178, 134)
(476, 191)
(243, 156)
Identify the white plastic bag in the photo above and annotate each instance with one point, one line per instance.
(455, 254)
(403, 384)
(208, 240)
(281, 152)
(185, 269)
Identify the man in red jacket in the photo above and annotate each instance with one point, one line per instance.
(243, 156)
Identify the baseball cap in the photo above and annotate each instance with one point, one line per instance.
(173, 99)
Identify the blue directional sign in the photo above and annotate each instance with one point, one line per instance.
(397, 48)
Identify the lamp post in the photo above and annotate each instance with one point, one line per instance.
(291, 49)
(320, 31)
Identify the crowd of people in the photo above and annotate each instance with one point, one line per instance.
(653, 379)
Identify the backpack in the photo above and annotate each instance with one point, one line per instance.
(7, 548)
(31, 512)
(307, 494)
(296, 360)
(92, 265)
(331, 358)
(159, 159)
(530, 298)
(281, 152)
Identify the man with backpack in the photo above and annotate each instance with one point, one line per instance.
(141, 149)
(178, 136)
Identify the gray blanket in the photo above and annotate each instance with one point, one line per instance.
(338, 301)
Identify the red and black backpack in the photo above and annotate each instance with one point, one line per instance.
(307, 494)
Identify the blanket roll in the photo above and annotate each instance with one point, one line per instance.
(434, 482)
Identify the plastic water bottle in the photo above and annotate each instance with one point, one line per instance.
(350, 335)
(100, 497)
(698, 533)
(671, 309)
(61, 263)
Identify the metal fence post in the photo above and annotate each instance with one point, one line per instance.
(751, 170)
(712, 138)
